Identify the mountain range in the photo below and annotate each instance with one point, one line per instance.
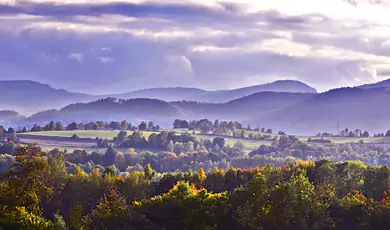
(301, 113)
(28, 97)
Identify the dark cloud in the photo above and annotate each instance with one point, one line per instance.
(99, 48)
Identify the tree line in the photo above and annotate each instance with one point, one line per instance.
(225, 128)
(38, 192)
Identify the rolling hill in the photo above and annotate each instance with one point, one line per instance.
(111, 109)
(10, 118)
(164, 94)
(28, 97)
(350, 107)
(218, 96)
(298, 113)
(286, 86)
(381, 84)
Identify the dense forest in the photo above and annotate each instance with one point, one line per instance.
(38, 192)
(187, 182)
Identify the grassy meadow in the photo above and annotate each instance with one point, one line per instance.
(250, 144)
(105, 134)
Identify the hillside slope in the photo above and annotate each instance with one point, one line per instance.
(111, 109)
(381, 84)
(164, 94)
(285, 86)
(350, 107)
(28, 96)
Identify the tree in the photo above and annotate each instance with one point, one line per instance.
(184, 124)
(219, 141)
(239, 145)
(20, 218)
(149, 172)
(115, 125)
(72, 126)
(216, 124)
(201, 176)
(151, 126)
(124, 125)
(109, 156)
(25, 180)
(142, 126)
(365, 134)
(111, 213)
(269, 131)
(387, 133)
(59, 126)
(177, 124)
(24, 130)
(120, 139)
(170, 146)
(52, 126)
(243, 133)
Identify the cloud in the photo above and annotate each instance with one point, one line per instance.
(82, 45)
(76, 56)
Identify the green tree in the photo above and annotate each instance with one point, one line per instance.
(149, 172)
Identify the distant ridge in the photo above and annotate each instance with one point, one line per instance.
(282, 86)
(217, 96)
(381, 84)
(28, 97)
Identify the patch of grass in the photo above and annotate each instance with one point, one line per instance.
(105, 134)
(343, 140)
(250, 144)
(100, 150)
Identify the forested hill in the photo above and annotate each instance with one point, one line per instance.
(218, 96)
(351, 107)
(298, 113)
(9, 118)
(113, 109)
(286, 86)
(382, 84)
(165, 94)
(28, 97)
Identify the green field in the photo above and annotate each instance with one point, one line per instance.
(342, 140)
(105, 134)
(100, 150)
(250, 144)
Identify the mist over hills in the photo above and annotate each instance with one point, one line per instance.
(351, 107)
(112, 109)
(365, 107)
(217, 96)
(285, 86)
(165, 94)
(28, 97)
(381, 84)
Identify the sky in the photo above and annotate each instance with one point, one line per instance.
(103, 46)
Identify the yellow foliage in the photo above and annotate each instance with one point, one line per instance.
(26, 220)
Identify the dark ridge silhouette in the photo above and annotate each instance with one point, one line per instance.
(28, 97)
(381, 84)
(218, 96)
(108, 109)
